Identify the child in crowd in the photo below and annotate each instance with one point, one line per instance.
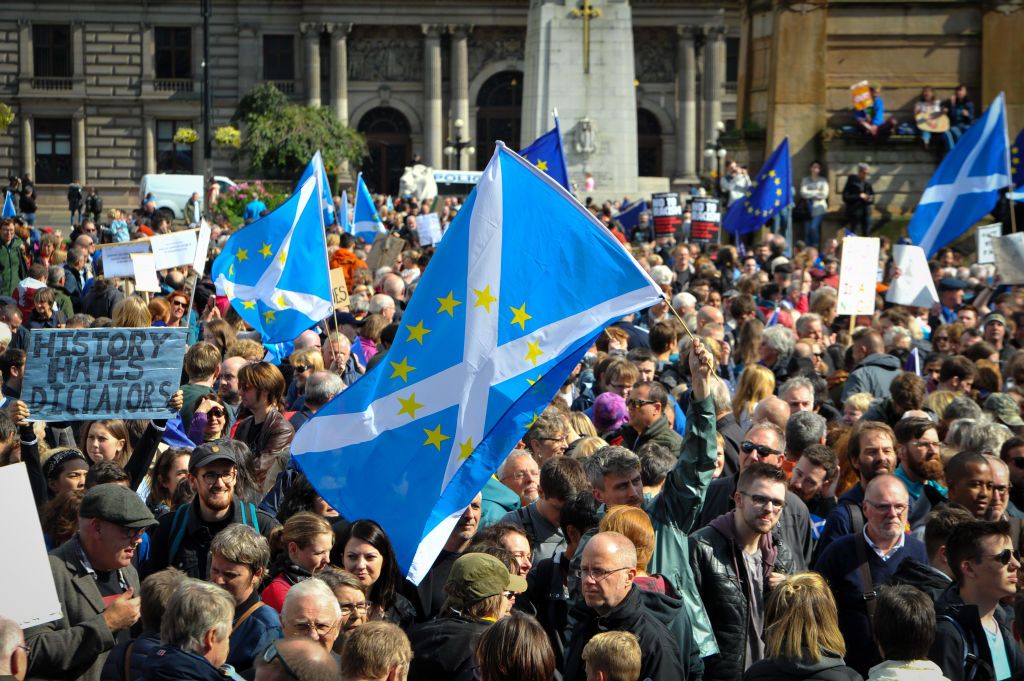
(904, 629)
(613, 656)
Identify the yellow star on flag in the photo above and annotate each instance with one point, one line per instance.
(750, 209)
(777, 202)
(532, 421)
(754, 183)
(283, 256)
(242, 254)
(268, 316)
(771, 173)
(280, 302)
(778, 181)
(465, 449)
(265, 251)
(542, 165)
(534, 351)
(534, 381)
(249, 304)
(484, 298)
(231, 270)
(778, 192)
(448, 304)
(519, 316)
(401, 369)
(416, 333)
(409, 406)
(435, 437)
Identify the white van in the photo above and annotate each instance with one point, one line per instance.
(172, 192)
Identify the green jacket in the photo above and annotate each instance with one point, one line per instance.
(497, 501)
(12, 266)
(63, 301)
(660, 433)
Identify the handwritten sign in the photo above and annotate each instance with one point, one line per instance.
(985, 236)
(85, 374)
(858, 274)
(384, 252)
(174, 250)
(117, 258)
(339, 290)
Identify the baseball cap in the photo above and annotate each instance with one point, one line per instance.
(209, 452)
(951, 284)
(1005, 408)
(483, 576)
(116, 504)
(994, 317)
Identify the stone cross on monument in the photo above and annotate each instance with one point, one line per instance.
(588, 12)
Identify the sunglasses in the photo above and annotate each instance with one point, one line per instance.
(178, 303)
(216, 411)
(1005, 555)
(635, 403)
(302, 368)
(762, 450)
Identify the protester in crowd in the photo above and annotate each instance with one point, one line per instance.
(311, 611)
(935, 576)
(265, 431)
(13, 651)
(969, 476)
(169, 470)
(302, 548)
(379, 650)
(561, 479)
(351, 595)
(431, 592)
(812, 477)
(904, 630)
(521, 474)
(859, 198)
(613, 656)
(367, 554)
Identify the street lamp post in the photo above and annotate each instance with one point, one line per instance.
(455, 147)
(206, 7)
(717, 151)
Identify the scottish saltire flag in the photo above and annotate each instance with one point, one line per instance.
(966, 185)
(771, 191)
(522, 283)
(629, 218)
(345, 219)
(547, 154)
(1017, 160)
(9, 210)
(316, 165)
(366, 222)
(274, 271)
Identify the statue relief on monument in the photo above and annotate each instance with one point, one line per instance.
(492, 44)
(654, 50)
(385, 53)
(585, 137)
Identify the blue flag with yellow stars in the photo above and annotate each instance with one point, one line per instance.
(522, 283)
(1017, 160)
(771, 191)
(274, 271)
(316, 165)
(547, 154)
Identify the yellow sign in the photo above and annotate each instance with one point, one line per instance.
(861, 93)
(339, 291)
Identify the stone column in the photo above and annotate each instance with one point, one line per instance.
(460, 85)
(28, 148)
(686, 105)
(248, 58)
(311, 55)
(433, 134)
(148, 145)
(148, 58)
(339, 69)
(714, 71)
(25, 51)
(78, 147)
(78, 57)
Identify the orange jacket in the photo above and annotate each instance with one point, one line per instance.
(349, 263)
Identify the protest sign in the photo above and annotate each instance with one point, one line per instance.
(144, 271)
(429, 227)
(914, 286)
(861, 93)
(1009, 257)
(667, 211)
(384, 252)
(985, 236)
(27, 591)
(705, 219)
(85, 374)
(202, 247)
(858, 274)
(117, 258)
(339, 290)
(175, 249)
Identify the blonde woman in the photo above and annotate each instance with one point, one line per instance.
(132, 313)
(756, 383)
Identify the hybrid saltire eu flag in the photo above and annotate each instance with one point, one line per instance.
(366, 222)
(522, 283)
(547, 154)
(967, 183)
(629, 218)
(345, 219)
(316, 165)
(1017, 160)
(9, 210)
(274, 271)
(771, 191)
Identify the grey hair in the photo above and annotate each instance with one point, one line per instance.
(982, 436)
(804, 320)
(516, 454)
(720, 397)
(380, 302)
(243, 545)
(610, 459)
(768, 425)
(358, 303)
(683, 300)
(195, 608)
(962, 408)
(779, 338)
(797, 382)
(11, 637)
(805, 428)
(892, 334)
(321, 386)
(313, 586)
(55, 275)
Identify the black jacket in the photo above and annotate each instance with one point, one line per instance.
(714, 559)
(170, 663)
(444, 649)
(959, 627)
(731, 432)
(913, 572)
(832, 667)
(660, 657)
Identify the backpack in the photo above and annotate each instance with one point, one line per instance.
(973, 662)
(180, 525)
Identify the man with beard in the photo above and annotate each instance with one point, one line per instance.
(1000, 488)
(856, 564)
(918, 452)
(228, 388)
(872, 452)
(969, 477)
(430, 592)
(183, 538)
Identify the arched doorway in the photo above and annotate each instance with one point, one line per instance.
(648, 142)
(389, 147)
(499, 114)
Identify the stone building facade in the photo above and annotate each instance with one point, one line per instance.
(99, 88)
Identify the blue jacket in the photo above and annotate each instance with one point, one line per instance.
(141, 648)
(252, 636)
(170, 663)
(497, 501)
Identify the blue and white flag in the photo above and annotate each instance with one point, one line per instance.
(770, 192)
(966, 185)
(367, 222)
(1016, 162)
(547, 154)
(629, 218)
(274, 271)
(9, 210)
(522, 283)
(345, 219)
(316, 165)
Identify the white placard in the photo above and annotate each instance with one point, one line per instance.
(1009, 257)
(174, 249)
(858, 274)
(202, 248)
(27, 593)
(429, 228)
(144, 271)
(914, 286)
(985, 236)
(117, 258)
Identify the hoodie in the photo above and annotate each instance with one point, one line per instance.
(873, 375)
(906, 670)
(830, 667)
(497, 500)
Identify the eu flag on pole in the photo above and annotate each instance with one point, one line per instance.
(629, 218)
(345, 219)
(771, 191)
(967, 183)
(316, 165)
(274, 271)
(9, 211)
(1017, 160)
(547, 154)
(498, 320)
(366, 222)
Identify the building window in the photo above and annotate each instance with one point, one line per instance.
(51, 51)
(278, 57)
(53, 151)
(172, 157)
(732, 60)
(173, 48)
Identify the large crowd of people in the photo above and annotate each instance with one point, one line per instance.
(785, 494)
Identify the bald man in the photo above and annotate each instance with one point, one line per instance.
(614, 602)
(13, 653)
(296, 660)
(772, 409)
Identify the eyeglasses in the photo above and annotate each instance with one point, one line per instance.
(302, 368)
(178, 303)
(898, 509)
(348, 608)
(762, 450)
(212, 478)
(132, 533)
(560, 438)
(597, 574)
(637, 403)
(1005, 555)
(216, 411)
(930, 444)
(763, 501)
(940, 339)
(510, 595)
(525, 475)
(319, 628)
(272, 654)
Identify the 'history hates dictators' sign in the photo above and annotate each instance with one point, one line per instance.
(84, 374)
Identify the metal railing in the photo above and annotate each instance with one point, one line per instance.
(173, 85)
(53, 84)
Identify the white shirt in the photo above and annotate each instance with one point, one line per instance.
(885, 555)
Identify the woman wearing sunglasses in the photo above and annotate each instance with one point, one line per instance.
(209, 420)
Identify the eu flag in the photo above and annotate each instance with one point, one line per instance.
(316, 165)
(629, 218)
(547, 154)
(1017, 160)
(522, 283)
(274, 271)
(966, 185)
(770, 192)
(9, 211)
(366, 222)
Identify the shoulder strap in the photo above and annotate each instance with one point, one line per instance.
(867, 583)
(254, 522)
(245, 615)
(856, 516)
(972, 662)
(178, 528)
(128, 661)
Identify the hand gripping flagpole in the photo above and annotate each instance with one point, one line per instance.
(711, 363)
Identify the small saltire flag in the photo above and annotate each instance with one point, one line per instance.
(629, 218)
(498, 320)
(278, 352)
(1017, 160)
(367, 222)
(9, 210)
(316, 165)
(770, 192)
(967, 183)
(274, 271)
(345, 219)
(547, 154)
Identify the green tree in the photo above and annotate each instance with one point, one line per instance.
(280, 137)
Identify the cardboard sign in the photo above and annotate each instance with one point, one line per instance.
(384, 252)
(914, 286)
(86, 374)
(429, 227)
(1009, 258)
(858, 274)
(175, 249)
(27, 592)
(985, 236)
(861, 93)
(667, 211)
(144, 271)
(705, 219)
(117, 258)
(339, 289)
